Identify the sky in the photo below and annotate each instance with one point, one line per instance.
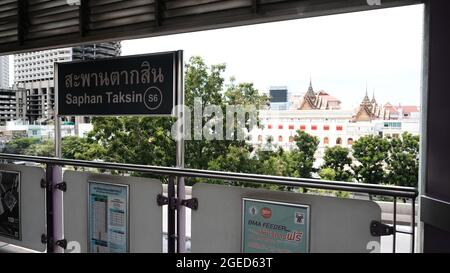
(342, 53)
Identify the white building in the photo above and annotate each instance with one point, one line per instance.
(4, 72)
(332, 125)
(33, 71)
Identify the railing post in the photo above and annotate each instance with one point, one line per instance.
(58, 221)
(171, 217)
(49, 207)
(413, 224)
(181, 216)
(394, 235)
(180, 151)
(57, 196)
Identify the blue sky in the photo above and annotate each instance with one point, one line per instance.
(342, 52)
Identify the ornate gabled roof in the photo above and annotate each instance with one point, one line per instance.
(363, 114)
(318, 100)
(311, 102)
(310, 98)
(366, 99)
(310, 93)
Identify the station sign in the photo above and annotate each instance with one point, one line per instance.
(130, 85)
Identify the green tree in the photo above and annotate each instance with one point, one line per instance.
(30, 146)
(136, 140)
(337, 159)
(19, 145)
(303, 155)
(204, 83)
(370, 152)
(41, 148)
(207, 83)
(236, 159)
(327, 174)
(73, 147)
(330, 174)
(403, 162)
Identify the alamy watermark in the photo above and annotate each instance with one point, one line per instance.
(214, 122)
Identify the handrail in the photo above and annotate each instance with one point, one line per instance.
(387, 190)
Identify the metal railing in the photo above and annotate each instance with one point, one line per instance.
(171, 172)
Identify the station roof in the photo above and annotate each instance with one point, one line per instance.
(44, 24)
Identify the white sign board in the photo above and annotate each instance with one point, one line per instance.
(128, 205)
(22, 206)
(336, 224)
(108, 217)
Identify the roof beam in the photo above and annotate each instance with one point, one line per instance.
(255, 6)
(159, 9)
(22, 20)
(84, 13)
(97, 24)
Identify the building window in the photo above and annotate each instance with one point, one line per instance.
(313, 127)
(260, 138)
(350, 141)
(396, 125)
(339, 128)
(280, 139)
(326, 127)
(291, 127)
(326, 141)
(269, 126)
(302, 127)
(291, 139)
(338, 141)
(280, 127)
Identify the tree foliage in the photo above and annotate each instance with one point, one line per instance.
(403, 161)
(370, 153)
(73, 147)
(30, 146)
(303, 155)
(338, 160)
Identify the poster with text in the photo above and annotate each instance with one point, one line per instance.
(108, 218)
(274, 227)
(10, 222)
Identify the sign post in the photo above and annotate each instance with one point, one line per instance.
(56, 178)
(138, 85)
(181, 195)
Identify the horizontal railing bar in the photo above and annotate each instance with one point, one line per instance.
(387, 190)
(405, 232)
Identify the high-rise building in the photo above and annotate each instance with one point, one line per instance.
(279, 98)
(96, 51)
(4, 71)
(33, 71)
(12, 106)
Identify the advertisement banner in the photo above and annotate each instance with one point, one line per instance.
(108, 218)
(10, 221)
(274, 227)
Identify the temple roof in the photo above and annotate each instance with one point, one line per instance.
(373, 98)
